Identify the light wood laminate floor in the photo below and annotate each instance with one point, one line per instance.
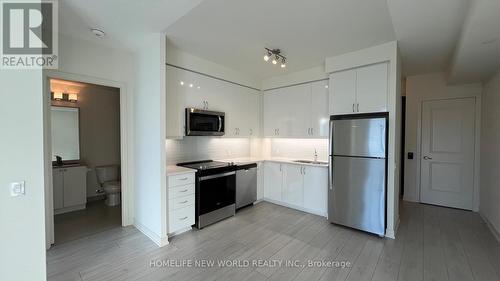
(433, 243)
(97, 217)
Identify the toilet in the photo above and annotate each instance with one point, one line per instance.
(109, 179)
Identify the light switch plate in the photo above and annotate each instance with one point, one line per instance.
(17, 189)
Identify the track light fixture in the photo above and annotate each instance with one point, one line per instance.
(277, 57)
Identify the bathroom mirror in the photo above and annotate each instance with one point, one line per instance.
(65, 133)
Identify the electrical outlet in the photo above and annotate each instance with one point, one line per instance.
(17, 189)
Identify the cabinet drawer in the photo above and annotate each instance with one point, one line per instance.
(180, 179)
(180, 202)
(182, 190)
(180, 218)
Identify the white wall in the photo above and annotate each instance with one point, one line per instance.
(490, 150)
(22, 220)
(180, 58)
(307, 75)
(420, 88)
(84, 58)
(150, 135)
(385, 52)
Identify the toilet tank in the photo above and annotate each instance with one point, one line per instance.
(107, 173)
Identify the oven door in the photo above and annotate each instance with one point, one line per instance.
(204, 122)
(216, 191)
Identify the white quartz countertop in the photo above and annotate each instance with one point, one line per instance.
(173, 170)
(246, 160)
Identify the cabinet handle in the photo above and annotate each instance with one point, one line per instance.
(183, 202)
(251, 132)
(183, 179)
(304, 170)
(357, 107)
(181, 219)
(353, 107)
(312, 131)
(278, 132)
(185, 190)
(280, 167)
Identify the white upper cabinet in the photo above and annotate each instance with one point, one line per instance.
(371, 88)
(274, 113)
(188, 89)
(296, 106)
(319, 109)
(359, 90)
(343, 92)
(299, 111)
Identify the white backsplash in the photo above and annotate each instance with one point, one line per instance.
(299, 148)
(202, 148)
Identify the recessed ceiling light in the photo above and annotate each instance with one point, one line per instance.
(326, 86)
(198, 87)
(98, 33)
(190, 85)
(182, 83)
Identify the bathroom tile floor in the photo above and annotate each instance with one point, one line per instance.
(97, 217)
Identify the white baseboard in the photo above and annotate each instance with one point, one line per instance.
(492, 228)
(391, 233)
(180, 231)
(160, 241)
(294, 207)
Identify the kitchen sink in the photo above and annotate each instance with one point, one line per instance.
(311, 162)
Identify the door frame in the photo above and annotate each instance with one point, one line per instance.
(477, 142)
(125, 148)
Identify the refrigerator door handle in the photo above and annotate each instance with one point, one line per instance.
(330, 157)
(330, 169)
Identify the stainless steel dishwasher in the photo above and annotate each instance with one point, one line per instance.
(246, 185)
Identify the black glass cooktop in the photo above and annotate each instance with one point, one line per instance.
(206, 165)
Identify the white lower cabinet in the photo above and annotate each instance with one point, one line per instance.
(181, 202)
(302, 187)
(316, 190)
(293, 187)
(273, 180)
(69, 188)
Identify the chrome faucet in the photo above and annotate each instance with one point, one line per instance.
(315, 155)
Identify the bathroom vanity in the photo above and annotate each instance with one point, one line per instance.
(69, 188)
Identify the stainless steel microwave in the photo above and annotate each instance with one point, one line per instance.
(204, 123)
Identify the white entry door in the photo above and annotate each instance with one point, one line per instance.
(447, 164)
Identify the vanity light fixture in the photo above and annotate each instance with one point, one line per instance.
(60, 96)
(276, 56)
(73, 97)
(57, 95)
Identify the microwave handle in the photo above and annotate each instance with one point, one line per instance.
(220, 123)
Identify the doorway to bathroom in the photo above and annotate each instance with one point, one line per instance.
(85, 131)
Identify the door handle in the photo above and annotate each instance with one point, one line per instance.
(427, 158)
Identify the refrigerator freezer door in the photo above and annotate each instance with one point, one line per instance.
(357, 199)
(359, 137)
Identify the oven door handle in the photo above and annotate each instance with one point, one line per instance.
(217, 176)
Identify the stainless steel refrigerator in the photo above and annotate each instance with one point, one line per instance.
(358, 171)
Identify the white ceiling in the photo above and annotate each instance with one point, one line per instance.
(427, 32)
(234, 33)
(123, 21)
(433, 36)
(477, 56)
